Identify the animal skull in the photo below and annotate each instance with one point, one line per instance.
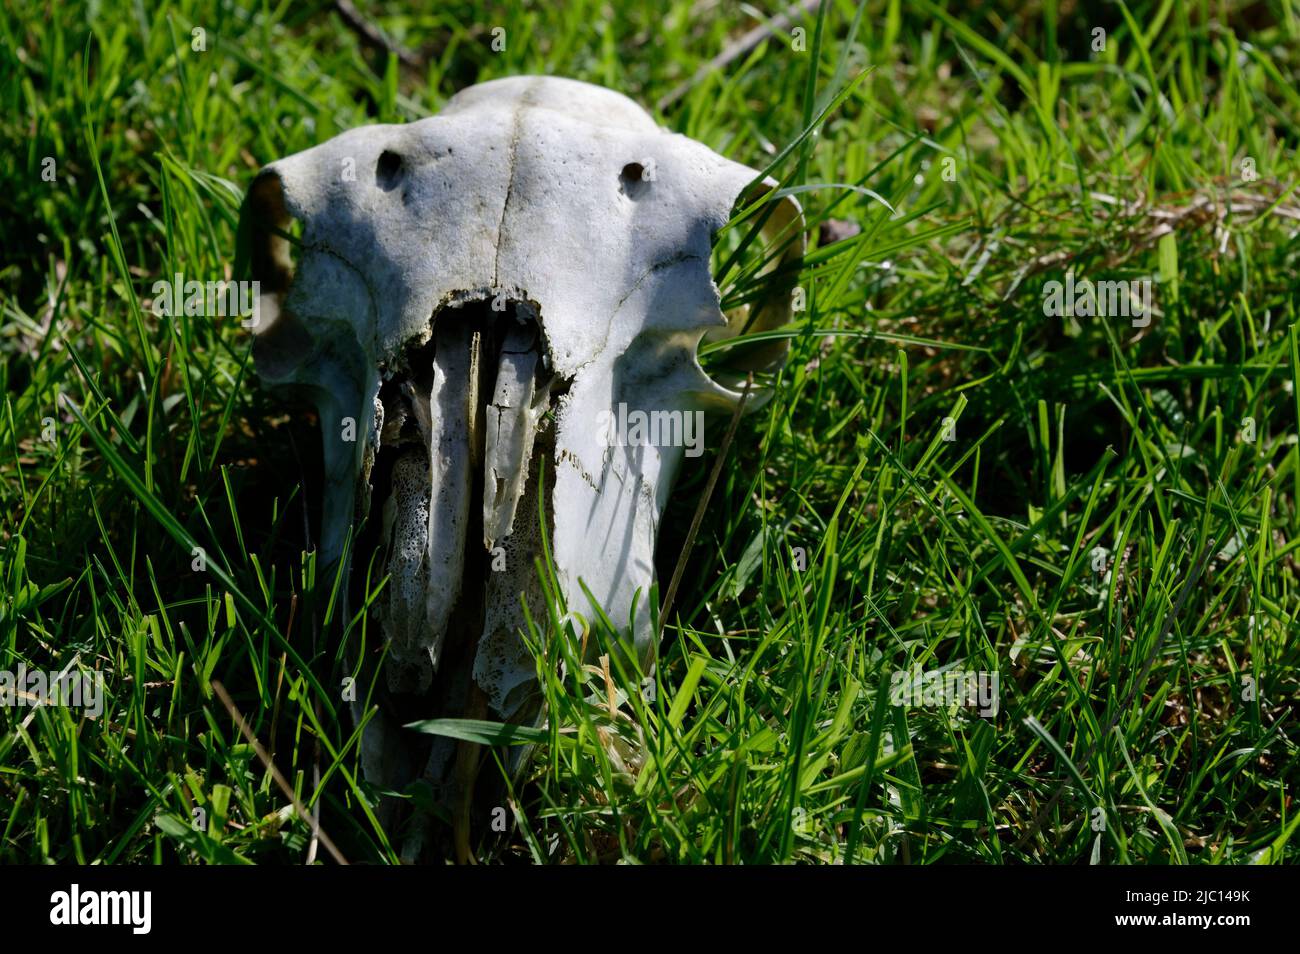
(470, 293)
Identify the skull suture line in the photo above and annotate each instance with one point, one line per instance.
(474, 290)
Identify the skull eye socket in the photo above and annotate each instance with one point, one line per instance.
(756, 268)
(268, 239)
(388, 170)
(633, 180)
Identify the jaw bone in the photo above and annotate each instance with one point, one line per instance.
(473, 292)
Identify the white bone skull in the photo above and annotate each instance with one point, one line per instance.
(473, 290)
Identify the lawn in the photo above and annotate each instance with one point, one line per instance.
(1091, 515)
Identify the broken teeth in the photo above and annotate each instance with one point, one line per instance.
(461, 429)
(513, 416)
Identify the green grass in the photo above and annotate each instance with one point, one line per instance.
(1158, 690)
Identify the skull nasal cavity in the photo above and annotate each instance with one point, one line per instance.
(388, 170)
